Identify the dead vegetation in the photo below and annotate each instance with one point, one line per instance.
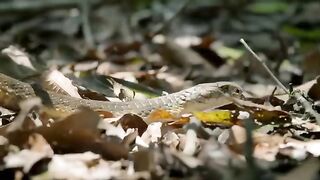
(122, 52)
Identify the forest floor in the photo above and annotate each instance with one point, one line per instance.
(129, 52)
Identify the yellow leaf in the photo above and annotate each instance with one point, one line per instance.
(164, 116)
(159, 114)
(223, 117)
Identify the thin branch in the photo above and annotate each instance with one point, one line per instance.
(305, 103)
(264, 66)
(85, 16)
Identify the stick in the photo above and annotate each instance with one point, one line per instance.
(305, 103)
(85, 15)
(264, 66)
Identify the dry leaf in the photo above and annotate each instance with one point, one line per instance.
(18, 56)
(76, 133)
(81, 166)
(190, 145)
(133, 121)
(164, 116)
(222, 117)
(160, 115)
(262, 114)
(152, 134)
(55, 81)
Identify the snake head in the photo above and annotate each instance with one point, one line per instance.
(231, 89)
(209, 95)
(224, 88)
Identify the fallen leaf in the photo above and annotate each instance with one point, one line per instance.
(170, 139)
(25, 158)
(222, 117)
(262, 114)
(76, 133)
(55, 81)
(86, 165)
(133, 121)
(164, 116)
(152, 134)
(159, 115)
(191, 145)
(18, 56)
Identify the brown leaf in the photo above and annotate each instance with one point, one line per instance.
(133, 121)
(262, 113)
(314, 91)
(130, 138)
(76, 133)
(92, 95)
(273, 100)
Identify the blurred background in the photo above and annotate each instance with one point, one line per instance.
(166, 44)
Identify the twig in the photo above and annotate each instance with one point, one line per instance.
(305, 103)
(85, 16)
(264, 66)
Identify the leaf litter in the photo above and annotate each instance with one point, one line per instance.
(265, 134)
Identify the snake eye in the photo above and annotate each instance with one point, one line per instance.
(238, 91)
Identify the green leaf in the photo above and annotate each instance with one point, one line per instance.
(309, 34)
(268, 7)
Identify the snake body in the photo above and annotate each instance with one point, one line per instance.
(13, 91)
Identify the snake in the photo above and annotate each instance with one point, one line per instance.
(198, 97)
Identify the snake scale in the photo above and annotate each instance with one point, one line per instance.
(13, 91)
